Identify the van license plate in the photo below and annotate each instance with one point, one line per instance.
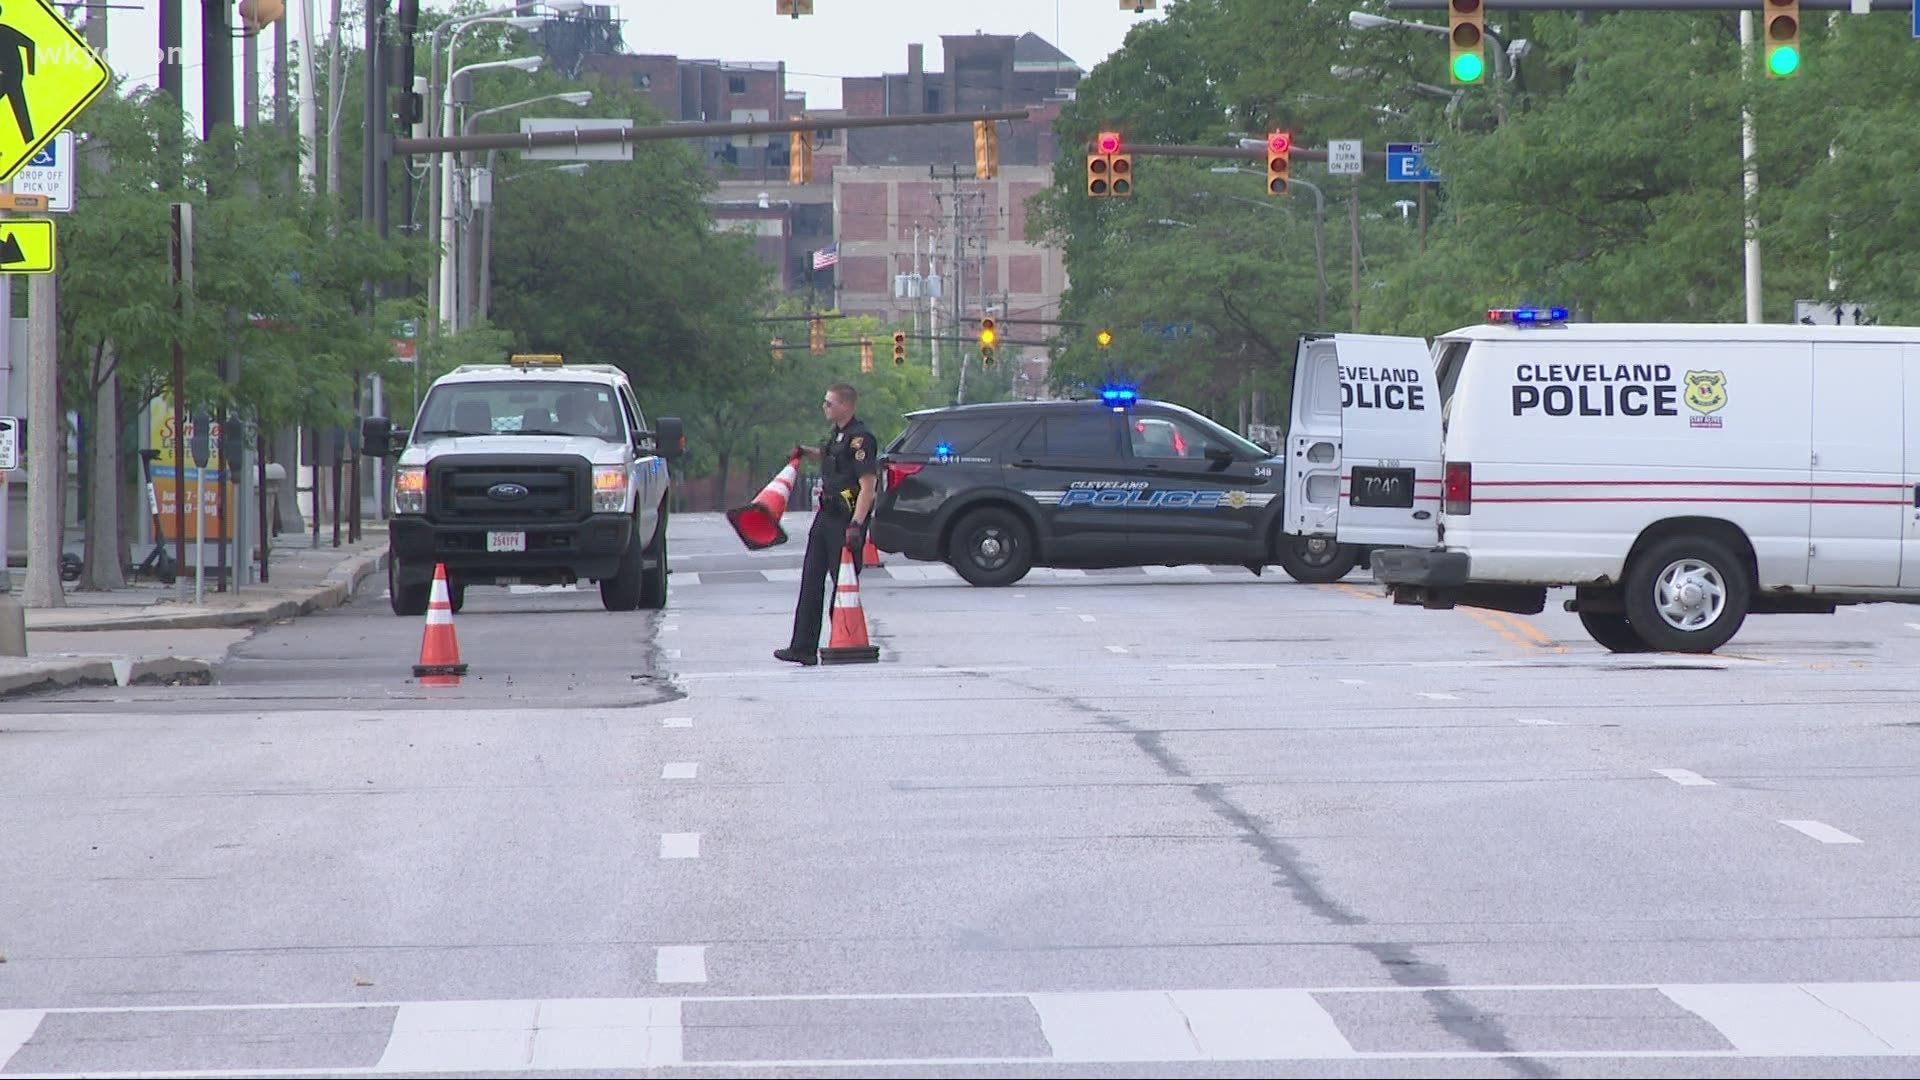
(506, 541)
(1382, 487)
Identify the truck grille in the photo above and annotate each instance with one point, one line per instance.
(461, 488)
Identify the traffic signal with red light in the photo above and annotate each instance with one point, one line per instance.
(1120, 164)
(1279, 162)
(1782, 39)
(1100, 165)
(1466, 41)
(989, 337)
(899, 348)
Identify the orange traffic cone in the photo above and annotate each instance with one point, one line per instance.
(439, 650)
(758, 522)
(849, 644)
(871, 556)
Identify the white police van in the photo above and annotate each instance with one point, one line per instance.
(1678, 476)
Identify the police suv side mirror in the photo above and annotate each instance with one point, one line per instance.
(376, 436)
(670, 438)
(1219, 456)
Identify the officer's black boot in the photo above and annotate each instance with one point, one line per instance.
(795, 656)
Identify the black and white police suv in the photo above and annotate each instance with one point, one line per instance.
(997, 489)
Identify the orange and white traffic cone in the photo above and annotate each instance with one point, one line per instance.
(871, 556)
(439, 649)
(849, 644)
(758, 522)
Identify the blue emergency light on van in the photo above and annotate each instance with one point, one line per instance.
(1118, 395)
(1527, 316)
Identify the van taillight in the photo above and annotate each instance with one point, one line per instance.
(1459, 487)
(897, 472)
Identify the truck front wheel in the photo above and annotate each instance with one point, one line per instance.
(406, 599)
(621, 592)
(653, 579)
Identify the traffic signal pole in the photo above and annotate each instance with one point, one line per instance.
(534, 140)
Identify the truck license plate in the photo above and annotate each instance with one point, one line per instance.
(506, 541)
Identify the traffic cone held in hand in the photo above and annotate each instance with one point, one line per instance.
(871, 556)
(758, 522)
(439, 650)
(849, 644)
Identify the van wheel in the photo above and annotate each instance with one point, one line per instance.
(1612, 631)
(621, 592)
(1315, 560)
(653, 582)
(1687, 594)
(991, 547)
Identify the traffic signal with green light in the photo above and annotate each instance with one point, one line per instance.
(1279, 161)
(1782, 38)
(1466, 41)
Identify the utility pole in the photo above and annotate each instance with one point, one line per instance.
(45, 477)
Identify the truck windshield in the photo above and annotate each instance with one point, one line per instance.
(521, 407)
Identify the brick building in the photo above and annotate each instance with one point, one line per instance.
(901, 204)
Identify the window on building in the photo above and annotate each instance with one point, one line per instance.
(642, 80)
(736, 84)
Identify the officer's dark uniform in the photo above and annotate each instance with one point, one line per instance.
(848, 454)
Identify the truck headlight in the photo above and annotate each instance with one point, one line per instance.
(410, 489)
(609, 489)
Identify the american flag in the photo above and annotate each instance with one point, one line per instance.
(826, 256)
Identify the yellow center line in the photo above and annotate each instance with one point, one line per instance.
(1539, 636)
(1485, 618)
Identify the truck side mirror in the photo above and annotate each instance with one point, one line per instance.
(670, 439)
(376, 436)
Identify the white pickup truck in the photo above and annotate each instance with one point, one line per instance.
(532, 472)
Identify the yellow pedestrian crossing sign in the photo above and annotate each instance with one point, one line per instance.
(26, 244)
(48, 73)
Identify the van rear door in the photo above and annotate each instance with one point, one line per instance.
(1390, 442)
(1313, 439)
(1363, 453)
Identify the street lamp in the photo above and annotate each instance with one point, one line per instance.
(485, 302)
(1319, 223)
(449, 313)
(471, 289)
(436, 168)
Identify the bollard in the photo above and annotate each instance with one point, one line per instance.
(13, 626)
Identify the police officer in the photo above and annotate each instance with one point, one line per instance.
(849, 471)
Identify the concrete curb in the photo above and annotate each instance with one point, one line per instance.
(104, 671)
(55, 674)
(341, 582)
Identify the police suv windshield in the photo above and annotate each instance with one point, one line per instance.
(521, 407)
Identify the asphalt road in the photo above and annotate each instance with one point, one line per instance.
(1147, 823)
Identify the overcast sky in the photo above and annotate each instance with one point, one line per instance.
(842, 37)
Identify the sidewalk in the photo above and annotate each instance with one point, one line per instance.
(148, 633)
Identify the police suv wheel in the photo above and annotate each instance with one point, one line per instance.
(1687, 594)
(1314, 560)
(991, 547)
